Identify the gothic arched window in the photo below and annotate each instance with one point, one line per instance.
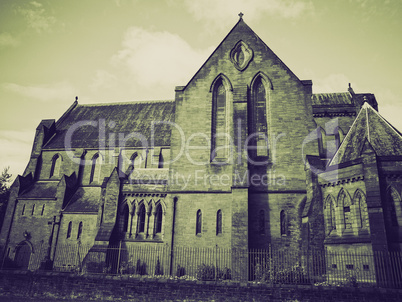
(394, 206)
(219, 122)
(329, 214)
(198, 227)
(69, 229)
(219, 222)
(124, 219)
(344, 203)
(283, 223)
(79, 230)
(332, 214)
(260, 117)
(141, 219)
(56, 163)
(359, 202)
(158, 219)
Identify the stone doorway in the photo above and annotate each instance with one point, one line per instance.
(22, 256)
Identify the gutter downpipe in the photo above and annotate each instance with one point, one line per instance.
(172, 243)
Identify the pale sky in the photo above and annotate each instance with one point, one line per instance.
(123, 50)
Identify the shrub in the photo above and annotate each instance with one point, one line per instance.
(158, 269)
(181, 271)
(207, 272)
(141, 268)
(284, 275)
(224, 274)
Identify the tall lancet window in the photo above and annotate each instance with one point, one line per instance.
(260, 118)
(158, 219)
(219, 122)
(198, 226)
(141, 219)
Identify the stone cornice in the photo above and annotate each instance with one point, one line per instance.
(342, 181)
(127, 194)
(332, 114)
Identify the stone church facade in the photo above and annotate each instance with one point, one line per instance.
(245, 157)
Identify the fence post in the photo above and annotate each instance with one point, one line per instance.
(216, 263)
(118, 259)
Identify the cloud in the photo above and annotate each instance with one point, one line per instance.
(103, 79)
(7, 39)
(158, 59)
(51, 92)
(37, 17)
(392, 113)
(332, 83)
(222, 12)
(15, 149)
(389, 104)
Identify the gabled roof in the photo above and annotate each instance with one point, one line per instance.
(134, 118)
(369, 125)
(85, 200)
(242, 30)
(40, 189)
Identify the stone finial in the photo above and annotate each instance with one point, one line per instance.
(241, 15)
(350, 89)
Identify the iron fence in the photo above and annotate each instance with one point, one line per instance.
(274, 266)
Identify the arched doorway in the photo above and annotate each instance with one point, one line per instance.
(22, 255)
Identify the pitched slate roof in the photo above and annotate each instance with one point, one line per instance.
(371, 126)
(343, 99)
(338, 98)
(134, 118)
(85, 200)
(40, 189)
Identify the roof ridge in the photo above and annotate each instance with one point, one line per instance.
(343, 92)
(368, 106)
(345, 139)
(368, 124)
(65, 114)
(126, 103)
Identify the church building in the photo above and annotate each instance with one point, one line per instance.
(245, 157)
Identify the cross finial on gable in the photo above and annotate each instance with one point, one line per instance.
(241, 15)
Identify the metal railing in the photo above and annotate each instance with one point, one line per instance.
(273, 266)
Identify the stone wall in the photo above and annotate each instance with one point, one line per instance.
(97, 287)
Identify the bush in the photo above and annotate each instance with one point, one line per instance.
(141, 268)
(158, 269)
(286, 275)
(224, 274)
(207, 272)
(181, 271)
(95, 267)
(293, 275)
